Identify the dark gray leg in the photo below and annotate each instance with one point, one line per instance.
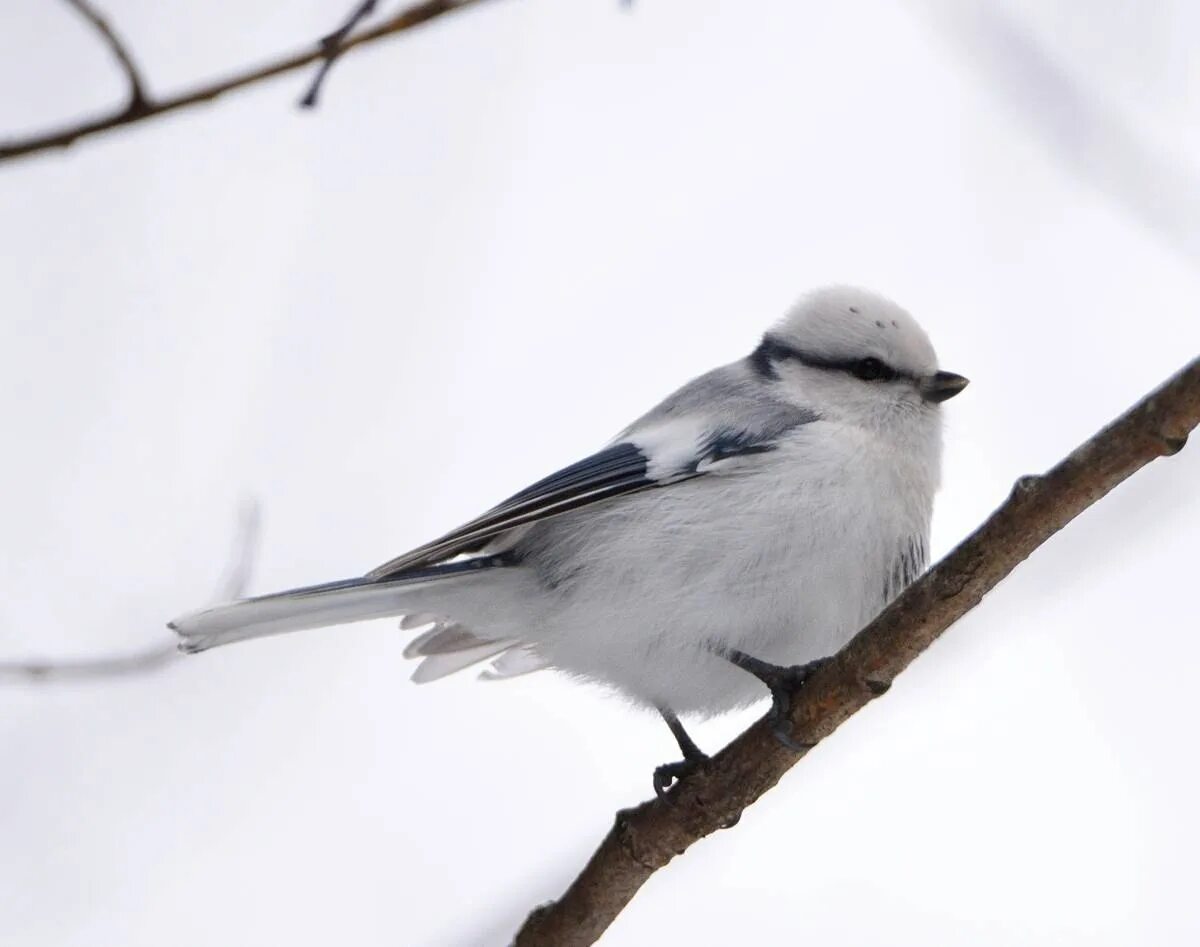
(693, 756)
(782, 682)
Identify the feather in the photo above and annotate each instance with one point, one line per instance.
(773, 505)
(513, 663)
(666, 451)
(611, 472)
(333, 603)
(443, 639)
(416, 620)
(439, 665)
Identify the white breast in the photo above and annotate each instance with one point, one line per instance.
(784, 557)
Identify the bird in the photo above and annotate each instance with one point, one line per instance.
(717, 551)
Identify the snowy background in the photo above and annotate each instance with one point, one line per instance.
(543, 216)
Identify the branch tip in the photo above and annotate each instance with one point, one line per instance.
(331, 46)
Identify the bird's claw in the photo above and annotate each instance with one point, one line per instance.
(781, 726)
(783, 682)
(794, 677)
(669, 773)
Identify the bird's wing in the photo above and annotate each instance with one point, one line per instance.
(649, 455)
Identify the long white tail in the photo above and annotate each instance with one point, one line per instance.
(334, 603)
(477, 611)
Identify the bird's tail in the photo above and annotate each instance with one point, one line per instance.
(334, 603)
(455, 589)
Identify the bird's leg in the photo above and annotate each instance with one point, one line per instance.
(782, 682)
(693, 756)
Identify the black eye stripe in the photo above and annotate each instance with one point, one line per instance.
(772, 350)
(872, 369)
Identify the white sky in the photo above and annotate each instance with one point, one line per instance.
(498, 241)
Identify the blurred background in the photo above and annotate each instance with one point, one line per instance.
(498, 240)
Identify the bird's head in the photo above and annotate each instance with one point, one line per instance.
(850, 353)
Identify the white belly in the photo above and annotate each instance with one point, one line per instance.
(641, 594)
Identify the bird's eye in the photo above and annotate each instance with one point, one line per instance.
(871, 369)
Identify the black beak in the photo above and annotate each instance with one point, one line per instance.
(942, 386)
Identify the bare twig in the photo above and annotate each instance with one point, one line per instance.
(232, 585)
(240, 569)
(138, 101)
(646, 838)
(39, 671)
(62, 137)
(333, 45)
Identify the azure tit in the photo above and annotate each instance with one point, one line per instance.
(734, 536)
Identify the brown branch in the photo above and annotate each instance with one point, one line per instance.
(233, 585)
(646, 838)
(138, 100)
(62, 137)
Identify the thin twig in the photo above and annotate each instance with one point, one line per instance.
(333, 45)
(233, 585)
(240, 570)
(646, 838)
(62, 137)
(87, 669)
(138, 100)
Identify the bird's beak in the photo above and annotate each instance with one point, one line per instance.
(942, 386)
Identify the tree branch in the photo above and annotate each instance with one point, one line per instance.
(646, 838)
(62, 137)
(137, 90)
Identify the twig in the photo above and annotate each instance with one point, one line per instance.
(232, 585)
(238, 572)
(62, 137)
(647, 837)
(138, 101)
(87, 669)
(332, 46)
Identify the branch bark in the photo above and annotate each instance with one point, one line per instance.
(644, 839)
(148, 107)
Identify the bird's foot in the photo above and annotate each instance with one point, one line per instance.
(693, 757)
(783, 682)
(670, 773)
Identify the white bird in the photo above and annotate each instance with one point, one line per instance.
(737, 534)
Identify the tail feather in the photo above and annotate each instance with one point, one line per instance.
(443, 638)
(479, 593)
(448, 647)
(417, 620)
(438, 666)
(316, 606)
(522, 659)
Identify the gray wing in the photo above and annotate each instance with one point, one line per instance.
(711, 419)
